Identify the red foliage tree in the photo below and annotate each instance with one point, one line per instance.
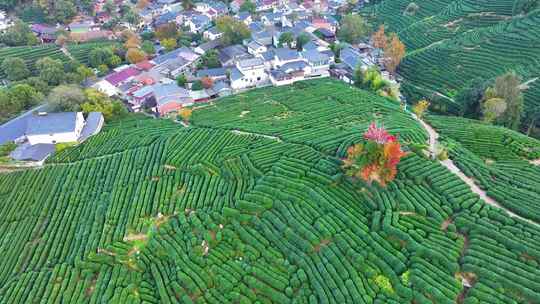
(375, 159)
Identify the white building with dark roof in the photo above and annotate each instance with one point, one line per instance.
(52, 128)
(255, 48)
(248, 73)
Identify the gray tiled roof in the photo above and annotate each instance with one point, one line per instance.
(167, 92)
(293, 66)
(252, 62)
(285, 54)
(216, 72)
(268, 55)
(52, 123)
(209, 45)
(350, 57)
(92, 126)
(36, 152)
(236, 74)
(315, 56)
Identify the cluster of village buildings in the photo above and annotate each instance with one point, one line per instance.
(258, 61)
(151, 85)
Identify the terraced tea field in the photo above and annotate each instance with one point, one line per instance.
(449, 43)
(249, 205)
(31, 54)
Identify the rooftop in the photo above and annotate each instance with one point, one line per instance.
(93, 125)
(51, 123)
(165, 93)
(286, 54)
(38, 152)
(123, 75)
(251, 62)
(216, 72)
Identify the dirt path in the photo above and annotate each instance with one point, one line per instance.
(67, 53)
(238, 132)
(535, 162)
(449, 164)
(525, 85)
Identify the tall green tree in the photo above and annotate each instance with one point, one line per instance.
(66, 98)
(301, 40)
(99, 56)
(15, 68)
(353, 28)
(50, 70)
(234, 31)
(19, 34)
(508, 87)
(286, 38)
(470, 98)
(148, 47)
(248, 6)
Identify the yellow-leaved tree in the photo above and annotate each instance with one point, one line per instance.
(393, 53)
(420, 108)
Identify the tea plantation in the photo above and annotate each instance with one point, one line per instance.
(450, 43)
(249, 205)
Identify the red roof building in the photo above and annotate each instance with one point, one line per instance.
(145, 65)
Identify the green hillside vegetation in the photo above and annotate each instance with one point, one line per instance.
(81, 51)
(450, 43)
(31, 54)
(249, 205)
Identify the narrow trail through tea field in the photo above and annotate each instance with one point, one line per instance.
(449, 164)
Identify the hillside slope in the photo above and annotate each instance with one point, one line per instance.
(450, 43)
(248, 204)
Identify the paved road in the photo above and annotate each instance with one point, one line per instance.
(16, 127)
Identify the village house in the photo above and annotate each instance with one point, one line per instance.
(197, 23)
(216, 74)
(236, 4)
(5, 22)
(207, 46)
(175, 62)
(248, 73)
(170, 98)
(122, 75)
(229, 55)
(283, 56)
(326, 35)
(264, 37)
(52, 128)
(255, 48)
(212, 34)
(271, 18)
(106, 88)
(245, 17)
(265, 5)
(45, 33)
(318, 61)
(328, 24)
(165, 18)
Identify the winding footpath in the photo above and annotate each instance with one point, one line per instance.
(449, 164)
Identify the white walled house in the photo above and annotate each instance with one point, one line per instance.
(53, 128)
(255, 48)
(283, 56)
(248, 73)
(212, 34)
(319, 63)
(106, 88)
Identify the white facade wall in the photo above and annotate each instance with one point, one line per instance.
(252, 77)
(258, 50)
(55, 138)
